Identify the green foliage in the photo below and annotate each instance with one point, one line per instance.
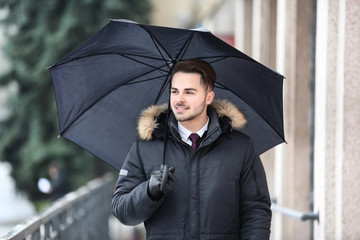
(40, 33)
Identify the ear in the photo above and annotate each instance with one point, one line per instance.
(210, 97)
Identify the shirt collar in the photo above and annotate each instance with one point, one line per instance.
(185, 133)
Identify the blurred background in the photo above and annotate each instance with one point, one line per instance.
(314, 43)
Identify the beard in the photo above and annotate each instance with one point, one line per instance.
(191, 115)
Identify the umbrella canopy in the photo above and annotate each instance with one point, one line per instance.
(103, 84)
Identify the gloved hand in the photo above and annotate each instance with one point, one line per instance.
(159, 182)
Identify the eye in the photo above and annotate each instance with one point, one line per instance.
(189, 92)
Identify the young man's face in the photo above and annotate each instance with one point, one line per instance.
(189, 99)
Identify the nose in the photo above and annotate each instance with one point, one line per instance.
(180, 98)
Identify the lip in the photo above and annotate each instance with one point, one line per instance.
(181, 109)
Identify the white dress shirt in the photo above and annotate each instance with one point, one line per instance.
(185, 133)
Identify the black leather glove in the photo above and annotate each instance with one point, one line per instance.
(159, 182)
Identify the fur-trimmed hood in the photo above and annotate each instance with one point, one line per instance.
(149, 117)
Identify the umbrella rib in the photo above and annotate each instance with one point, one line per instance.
(99, 99)
(182, 51)
(145, 80)
(162, 89)
(157, 43)
(185, 46)
(245, 59)
(109, 53)
(223, 87)
(220, 58)
(155, 68)
(220, 87)
(176, 59)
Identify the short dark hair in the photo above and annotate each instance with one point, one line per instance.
(207, 72)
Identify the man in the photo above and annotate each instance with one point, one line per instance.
(220, 189)
(59, 181)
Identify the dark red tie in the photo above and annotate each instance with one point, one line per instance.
(194, 139)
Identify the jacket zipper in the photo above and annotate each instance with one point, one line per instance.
(189, 183)
(208, 135)
(189, 170)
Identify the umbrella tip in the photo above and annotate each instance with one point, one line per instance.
(201, 29)
(59, 136)
(124, 21)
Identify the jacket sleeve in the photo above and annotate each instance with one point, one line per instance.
(255, 212)
(131, 203)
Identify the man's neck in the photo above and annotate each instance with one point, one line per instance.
(185, 133)
(195, 126)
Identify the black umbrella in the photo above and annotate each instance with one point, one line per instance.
(102, 85)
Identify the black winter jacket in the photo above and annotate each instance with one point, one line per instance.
(221, 190)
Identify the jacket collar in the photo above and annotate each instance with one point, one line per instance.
(222, 113)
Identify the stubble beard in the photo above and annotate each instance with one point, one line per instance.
(192, 116)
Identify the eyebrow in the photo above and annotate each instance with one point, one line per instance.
(186, 89)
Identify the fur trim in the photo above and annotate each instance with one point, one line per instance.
(147, 121)
(149, 116)
(226, 108)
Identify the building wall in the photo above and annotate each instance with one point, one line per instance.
(172, 13)
(279, 35)
(337, 119)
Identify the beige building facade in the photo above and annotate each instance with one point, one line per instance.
(315, 44)
(337, 154)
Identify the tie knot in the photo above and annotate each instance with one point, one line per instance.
(194, 137)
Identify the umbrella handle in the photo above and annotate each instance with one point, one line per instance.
(164, 177)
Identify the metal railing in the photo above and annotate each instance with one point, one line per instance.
(83, 214)
(303, 216)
